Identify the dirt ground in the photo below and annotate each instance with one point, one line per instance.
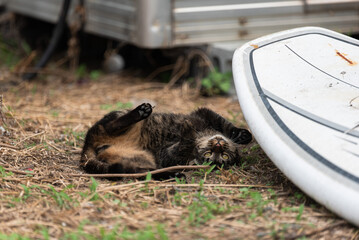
(42, 131)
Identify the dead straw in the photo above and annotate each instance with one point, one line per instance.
(36, 139)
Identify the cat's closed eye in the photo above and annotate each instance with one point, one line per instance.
(101, 148)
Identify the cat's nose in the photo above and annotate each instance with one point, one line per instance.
(218, 145)
(217, 148)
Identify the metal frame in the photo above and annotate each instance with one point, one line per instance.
(171, 23)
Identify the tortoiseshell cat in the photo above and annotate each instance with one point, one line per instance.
(137, 141)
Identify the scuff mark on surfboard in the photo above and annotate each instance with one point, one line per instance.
(354, 102)
(343, 56)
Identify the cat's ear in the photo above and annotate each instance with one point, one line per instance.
(241, 136)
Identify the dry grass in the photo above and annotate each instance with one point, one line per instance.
(45, 124)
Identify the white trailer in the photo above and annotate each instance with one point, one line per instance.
(225, 24)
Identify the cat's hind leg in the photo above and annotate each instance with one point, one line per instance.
(117, 159)
(116, 123)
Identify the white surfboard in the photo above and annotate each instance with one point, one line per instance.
(299, 92)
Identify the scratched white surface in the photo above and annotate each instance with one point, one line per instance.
(303, 72)
(308, 72)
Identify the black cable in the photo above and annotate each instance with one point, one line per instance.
(59, 29)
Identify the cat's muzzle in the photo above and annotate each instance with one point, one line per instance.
(218, 144)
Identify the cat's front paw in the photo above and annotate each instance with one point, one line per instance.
(144, 110)
(241, 136)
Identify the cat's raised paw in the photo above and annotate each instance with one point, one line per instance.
(144, 110)
(241, 136)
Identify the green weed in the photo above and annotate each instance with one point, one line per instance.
(180, 180)
(78, 135)
(216, 83)
(45, 233)
(299, 210)
(177, 199)
(79, 233)
(257, 202)
(93, 189)
(13, 236)
(72, 137)
(201, 210)
(62, 199)
(279, 233)
(9, 51)
(111, 235)
(149, 233)
(94, 185)
(148, 177)
(29, 145)
(204, 172)
(144, 205)
(299, 197)
(34, 89)
(209, 170)
(27, 192)
(21, 198)
(255, 148)
(82, 72)
(4, 173)
(244, 192)
(273, 195)
(54, 113)
(95, 74)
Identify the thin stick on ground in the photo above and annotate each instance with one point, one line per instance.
(355, 236)
(19, 171)
(217, 185)
(137, 175)
(8, 146)
(29, 137)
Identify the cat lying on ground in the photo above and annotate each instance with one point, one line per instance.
(138, 140)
